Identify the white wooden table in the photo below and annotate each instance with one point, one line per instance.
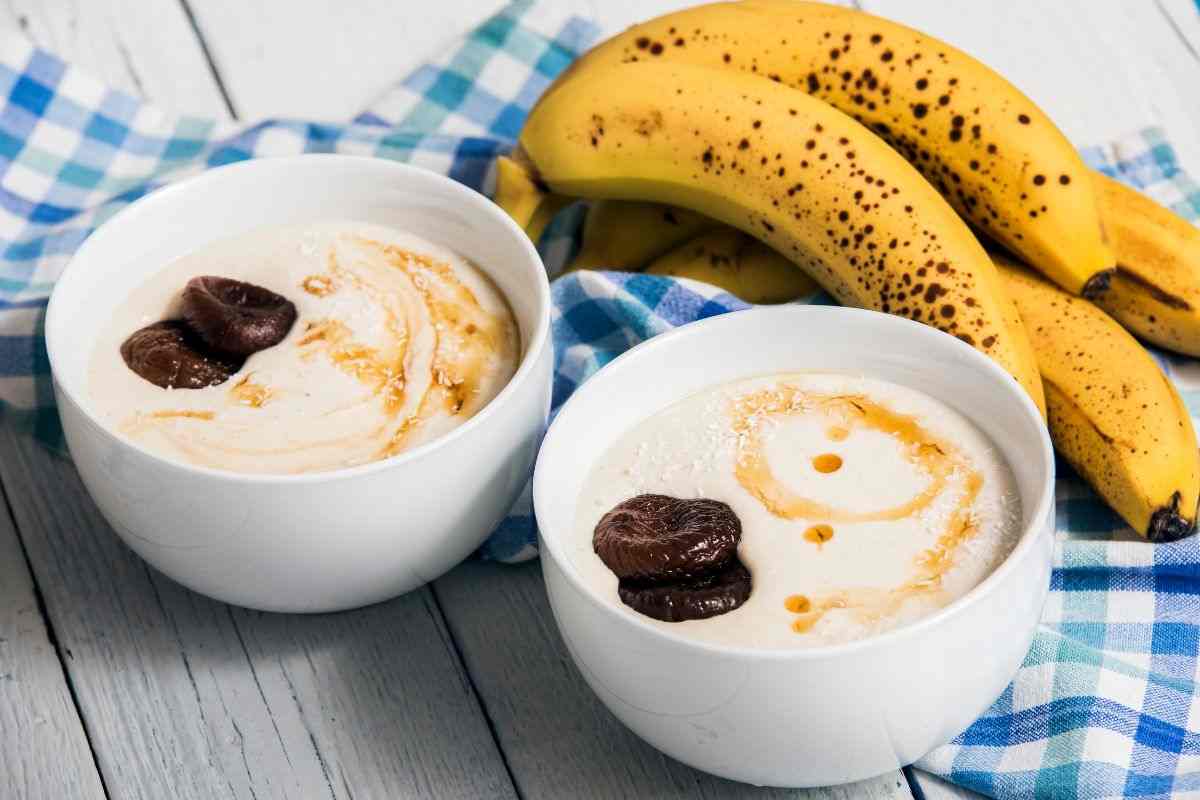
(116, 682)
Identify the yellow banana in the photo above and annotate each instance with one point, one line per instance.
(996, 157)
(1155, 291)
(529, 204)
(1112, 413)
(737, 263)
(792, 171)
(544, 214)
(627, 235)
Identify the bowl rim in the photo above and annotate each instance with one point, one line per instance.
(474, 203)
(1030, 533)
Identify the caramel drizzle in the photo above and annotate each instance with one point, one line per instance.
(465, 338)
(754, 473)
(182, 413)
(319, 285)
(819, 534)
(384, 376)
(249, 393)
(930, 566)
(143, 420)
(463, 327)
(938, 459)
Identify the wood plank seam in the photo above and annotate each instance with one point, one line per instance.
(127, 58)
(187, 668)
(1158, 4)
(208, 58)
(263, 696)
(287, 677)
(913, 785)
(453, 645)
(52, 637)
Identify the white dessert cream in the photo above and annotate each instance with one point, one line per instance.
(396, 341)
(864, 505)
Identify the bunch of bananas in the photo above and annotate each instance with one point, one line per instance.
(737, 141)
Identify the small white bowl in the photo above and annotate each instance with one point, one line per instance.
(826, 715)
(322, 541)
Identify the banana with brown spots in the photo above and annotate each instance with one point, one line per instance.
(790, 170)
(737, 263)
(1112, 412)
(1155, 292)
(996, 157)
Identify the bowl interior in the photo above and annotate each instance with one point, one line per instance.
(181, 218)
(744, 344)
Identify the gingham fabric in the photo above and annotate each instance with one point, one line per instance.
(1106, 704)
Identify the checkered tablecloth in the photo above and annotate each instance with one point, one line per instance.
(1106, 703)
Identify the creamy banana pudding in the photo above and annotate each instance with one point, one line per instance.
(795, 510)
(303, 348)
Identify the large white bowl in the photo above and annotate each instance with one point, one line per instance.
(804, 717)
(321, 541)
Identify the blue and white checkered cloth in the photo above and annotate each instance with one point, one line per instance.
(1106, 703)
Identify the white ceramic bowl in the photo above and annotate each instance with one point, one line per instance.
(805, 717)
(328, 540)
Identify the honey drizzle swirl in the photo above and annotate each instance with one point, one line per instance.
(929, 567)
(754, 473)
(465, 337)
(940, 460)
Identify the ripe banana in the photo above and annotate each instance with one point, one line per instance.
(1155, 291)
(792, 171)
(628, 235)
(994, 155)
(737, 263)
(529, 204)
(1112, 413)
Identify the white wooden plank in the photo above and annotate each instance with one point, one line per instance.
(45, 752)
(325, 59)
(1185, 20)
(383, 693)
(558, 740)
(1100, 70)
(185, 697)
(146, 48)
(932, 787)
(330, 60)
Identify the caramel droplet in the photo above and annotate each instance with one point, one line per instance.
(837, 433)
(797, 604)
(827, 462)
(819, 534)
(319, 285)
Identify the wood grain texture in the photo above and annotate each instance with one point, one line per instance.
(557, 737)
(187, 697)
(45, 751)
(1100, 70)
(145, 48)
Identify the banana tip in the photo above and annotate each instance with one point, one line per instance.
(1168, 525)
(1097, 284)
